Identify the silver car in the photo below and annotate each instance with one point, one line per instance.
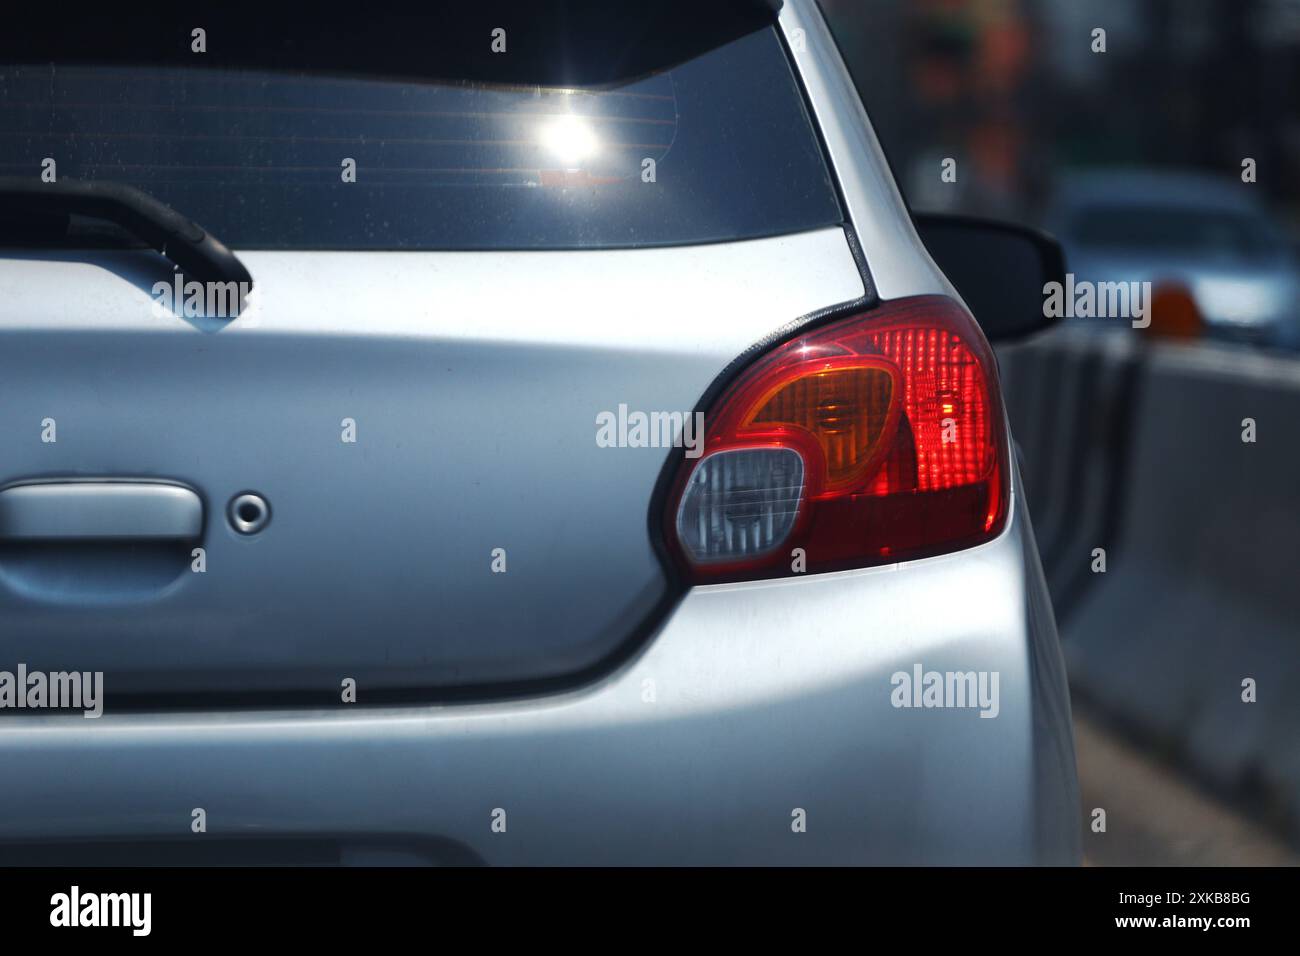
(1211, 235)
(582, 462)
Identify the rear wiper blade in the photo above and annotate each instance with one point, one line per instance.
(199, 254)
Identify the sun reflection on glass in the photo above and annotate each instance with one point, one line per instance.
(570, 139)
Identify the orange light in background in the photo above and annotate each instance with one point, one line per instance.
(1174, 312)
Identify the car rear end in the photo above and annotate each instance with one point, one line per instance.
(630, 470)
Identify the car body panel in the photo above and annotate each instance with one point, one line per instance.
(752, 701)
(474, 382)
(895, 256)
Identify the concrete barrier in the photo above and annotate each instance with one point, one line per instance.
(1202, 539)
(1067, 397)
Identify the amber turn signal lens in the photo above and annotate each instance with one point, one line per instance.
(847, 409)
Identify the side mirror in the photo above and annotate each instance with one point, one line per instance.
(998, 268)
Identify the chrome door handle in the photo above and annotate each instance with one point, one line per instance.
(99, 509)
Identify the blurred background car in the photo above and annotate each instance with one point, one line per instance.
(1200, 231)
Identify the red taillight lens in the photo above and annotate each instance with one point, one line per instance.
(869, 440)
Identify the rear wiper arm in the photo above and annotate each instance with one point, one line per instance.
(199, 254)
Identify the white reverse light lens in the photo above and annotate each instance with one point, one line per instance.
(740, 503)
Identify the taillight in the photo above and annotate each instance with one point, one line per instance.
(872, 439)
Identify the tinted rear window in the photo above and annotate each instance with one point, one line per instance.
(717, 147)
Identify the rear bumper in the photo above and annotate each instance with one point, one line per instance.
(753, 701)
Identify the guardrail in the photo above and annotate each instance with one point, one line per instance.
(1136, 447)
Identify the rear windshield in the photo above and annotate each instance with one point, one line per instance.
(714, 148)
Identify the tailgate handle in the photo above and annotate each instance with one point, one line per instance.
(99, 509)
